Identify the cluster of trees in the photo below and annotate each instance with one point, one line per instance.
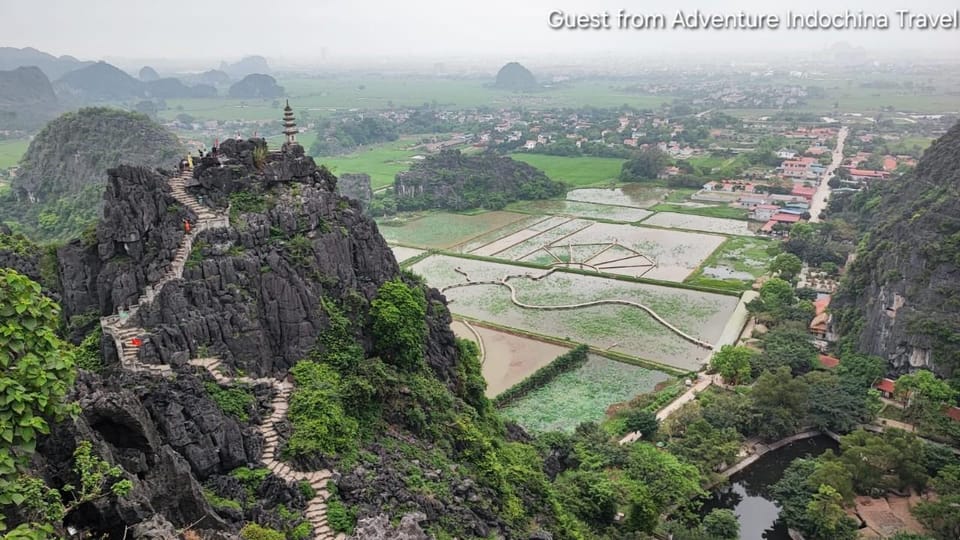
(646, 165)
(456, 181)
(344, 136)
(788, 393)
(779, 303)
(37, 370)
(813, 492)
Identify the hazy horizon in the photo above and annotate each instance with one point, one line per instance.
(325, 32)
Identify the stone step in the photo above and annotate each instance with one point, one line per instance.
(320, 475)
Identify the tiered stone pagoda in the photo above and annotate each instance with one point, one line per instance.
(289, 126)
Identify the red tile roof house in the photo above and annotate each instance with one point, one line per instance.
(778, 218)
(803, 191)
(953, 413)
(821, 320)
(797, 168)
(785, 218)
(829, 362)
(886, 387)
(866, 174)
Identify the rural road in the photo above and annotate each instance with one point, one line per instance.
(819, 202)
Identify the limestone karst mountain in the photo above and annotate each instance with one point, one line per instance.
(256, 85)
(27, 100)
(902, 288)
(53, 67)
(513, 76)
(58, 190)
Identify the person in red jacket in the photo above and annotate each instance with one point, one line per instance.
(186, 226)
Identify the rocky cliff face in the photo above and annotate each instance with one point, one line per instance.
(902, 293)
(356, 186)
(257, 295)
(58, 190)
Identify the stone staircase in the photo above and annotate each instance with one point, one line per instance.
(123, 331)
(316, 512)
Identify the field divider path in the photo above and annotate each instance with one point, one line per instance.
(476, 334)
(532, 236)
(123, 330)
(495, 240)
(555, 242)
(504, 281)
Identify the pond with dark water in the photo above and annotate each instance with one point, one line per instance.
(748, 493)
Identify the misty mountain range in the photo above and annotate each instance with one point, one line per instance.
(35, 86)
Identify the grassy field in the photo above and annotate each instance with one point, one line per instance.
(382, 162)
(575, 171)
(867, 100)
(864, 100)
(443, 230)
(708, 211)
(734, 265)
(582, 395)
(321, 96)
(11, 151)
(720, 165)
(910, 145)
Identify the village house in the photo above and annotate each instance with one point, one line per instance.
(803, 191)
(828, 362)
(764, 212)
(867, 174)
(799, 168)
(752, 200)
(820, 324)
(668, 172)
(886, 387)
(889, 163)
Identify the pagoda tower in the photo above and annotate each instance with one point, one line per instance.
(289, 125)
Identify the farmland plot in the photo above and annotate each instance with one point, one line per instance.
(444, 230)
(581, 209)
(582, 395)
(621, 328)
(700, 223)
(404, 253)
(676, 253)
(634, 195)
(508, 359)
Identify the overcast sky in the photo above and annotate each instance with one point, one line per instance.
(299, 30)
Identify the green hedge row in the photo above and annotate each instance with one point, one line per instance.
(540, 378)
